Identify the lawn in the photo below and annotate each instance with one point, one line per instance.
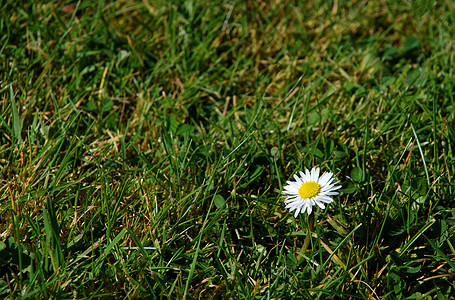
(145, 147)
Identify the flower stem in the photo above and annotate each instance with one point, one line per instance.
(306, 243)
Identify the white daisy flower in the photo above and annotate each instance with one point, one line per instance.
(309, 190)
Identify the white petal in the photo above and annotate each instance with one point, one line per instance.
(292, 200)
(331, 193)
(297, 179)
(309, 209)
(304, 177)
(289, 201)
(320, 204)
(336, 187)
(308, 174)
(324, 179)
(329, 188)
(296, 185)
(325, 199)
(315, 172)
(290, 207)
(297, 211)
(291, 189)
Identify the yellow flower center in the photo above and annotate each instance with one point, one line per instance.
(309, 189)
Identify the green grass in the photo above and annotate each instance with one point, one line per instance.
(144, 147)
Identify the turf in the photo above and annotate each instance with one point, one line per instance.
(144, 147)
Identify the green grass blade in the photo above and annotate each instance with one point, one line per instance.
(115, 241)
(16, 119)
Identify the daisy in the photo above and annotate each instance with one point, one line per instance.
(309, 190)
